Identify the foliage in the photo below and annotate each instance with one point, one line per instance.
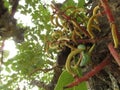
(30, 55)
(65, 79)
(54, 28)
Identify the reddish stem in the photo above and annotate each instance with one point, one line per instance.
(107, 11)
(68, 18)
(90, 74)
(61, 13)
(109, 15)
(85, 41)
(118, 35)
(84, 31)
(114, 53)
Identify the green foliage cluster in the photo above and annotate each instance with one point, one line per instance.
(67, 78)
(31, 53)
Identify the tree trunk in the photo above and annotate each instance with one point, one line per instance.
(108, 78)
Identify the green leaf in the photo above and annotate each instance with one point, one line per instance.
(34, 37)
(68, 3)
(81, 46)
(8, 69)
(6, 4)
(81, 3)
(64, 79)
(6, 53)
(86, 59)
(67, 78)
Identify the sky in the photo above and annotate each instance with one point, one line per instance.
(26, 19)
(10, 46)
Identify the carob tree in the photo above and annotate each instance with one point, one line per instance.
(90, 34)
(86, 38)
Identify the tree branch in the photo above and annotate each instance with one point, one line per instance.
(51, 85)
(14, 6)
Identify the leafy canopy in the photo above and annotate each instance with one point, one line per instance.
(31, 59)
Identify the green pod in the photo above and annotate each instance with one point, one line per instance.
(85, 59)
(81, 46)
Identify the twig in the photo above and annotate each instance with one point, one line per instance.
(115, 33)
(43, 70)
(114, 53)
(68, 18)
(2, 52)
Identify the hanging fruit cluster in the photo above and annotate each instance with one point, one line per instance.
(77, 31)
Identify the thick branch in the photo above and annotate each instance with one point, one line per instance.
(51, 85)
(114, 53)
(14, 7)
